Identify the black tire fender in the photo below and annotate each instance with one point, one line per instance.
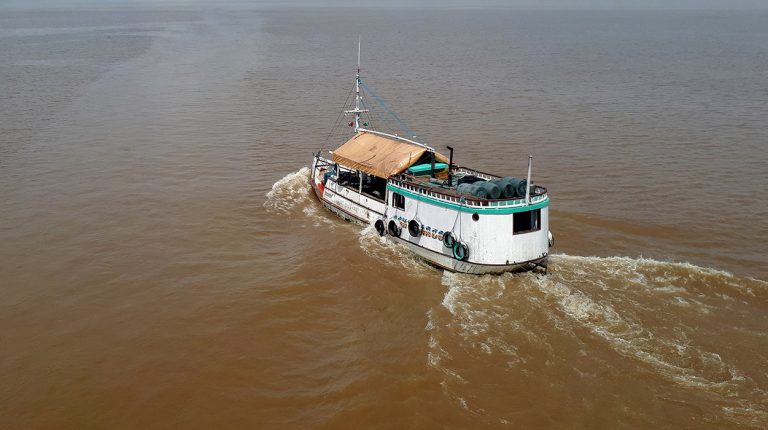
(414, 228)
(379, 226)
(449, 239)
(393, 228)
(460, 251)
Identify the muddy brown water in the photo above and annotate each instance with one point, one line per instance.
(163, 263)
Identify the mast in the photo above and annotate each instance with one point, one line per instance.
(357, 111)
(357, 88)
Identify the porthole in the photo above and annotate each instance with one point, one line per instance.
(475, 216)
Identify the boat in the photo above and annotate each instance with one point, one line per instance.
(454, 217)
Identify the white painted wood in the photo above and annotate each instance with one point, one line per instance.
(493, 248)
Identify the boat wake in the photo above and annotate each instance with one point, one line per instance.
(292, 195)
(605, 321)
(290, 192)
(381, 249)
(596, 325)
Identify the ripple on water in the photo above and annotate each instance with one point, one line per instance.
(656, 315)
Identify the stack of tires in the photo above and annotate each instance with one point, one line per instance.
(507, 187)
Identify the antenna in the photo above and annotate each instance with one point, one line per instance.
(357, 88)
(357, 111)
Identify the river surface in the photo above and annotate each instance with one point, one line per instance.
(163, 263)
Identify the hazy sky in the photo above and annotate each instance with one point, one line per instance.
(469, 4)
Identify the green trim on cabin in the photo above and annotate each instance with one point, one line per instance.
(489, 210)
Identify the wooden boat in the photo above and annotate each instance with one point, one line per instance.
(455, 217)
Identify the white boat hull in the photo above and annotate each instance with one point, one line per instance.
(492, 247)
(449, 263)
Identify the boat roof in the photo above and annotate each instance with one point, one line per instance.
(379, 155)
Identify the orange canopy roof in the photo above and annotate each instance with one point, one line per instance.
(378, 155)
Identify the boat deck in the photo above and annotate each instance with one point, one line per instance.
(443, 189)
(432, 187)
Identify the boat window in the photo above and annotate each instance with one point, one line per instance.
(348, 179)
(374, 187)
(398, 201)
(526, 222)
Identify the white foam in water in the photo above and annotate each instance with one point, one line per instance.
(290, 192)
(625, 333)
(632, 266)
(480, 317)
(653, 277)
(293, 192)
(388, 252)
(750, 415)
(449, 300)
(610, 297)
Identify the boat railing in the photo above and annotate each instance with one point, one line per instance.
(538, 193)
(479, 174)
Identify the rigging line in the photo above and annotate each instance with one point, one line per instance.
(461, 202)
(373, 114)
(383, 104)
(368, 115)
(377, 118)
(403, 127)
(336, 123)
(387, 128)
(458, 216)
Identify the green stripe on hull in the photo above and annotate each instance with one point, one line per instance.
(470, 209)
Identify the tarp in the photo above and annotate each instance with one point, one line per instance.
(378, 155)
